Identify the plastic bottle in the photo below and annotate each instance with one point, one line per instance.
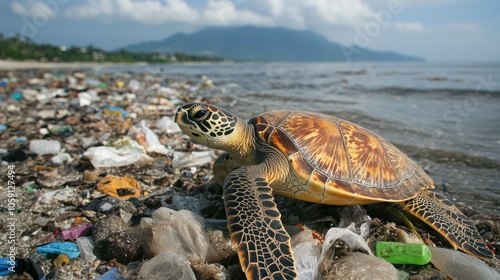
(397, 253)
(43, 147)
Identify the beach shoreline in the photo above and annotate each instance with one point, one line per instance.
(23, 65)
(14, 64)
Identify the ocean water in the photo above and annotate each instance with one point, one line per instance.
(444, 116)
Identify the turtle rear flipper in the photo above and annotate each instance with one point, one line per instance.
(257, 233)
(440, 213)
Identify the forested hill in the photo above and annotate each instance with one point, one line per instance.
(19, 48)
(265, 44)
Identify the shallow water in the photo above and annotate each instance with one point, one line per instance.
(445, 116)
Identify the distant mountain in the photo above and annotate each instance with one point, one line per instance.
(264, 44)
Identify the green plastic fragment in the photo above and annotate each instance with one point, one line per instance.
(397, 253)
(102, 85)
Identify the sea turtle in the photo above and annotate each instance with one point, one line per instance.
(312, 157)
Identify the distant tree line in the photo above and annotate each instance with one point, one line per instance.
(23, 48)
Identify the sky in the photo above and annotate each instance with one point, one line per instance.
(437, 30)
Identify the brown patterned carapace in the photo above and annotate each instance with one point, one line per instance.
(332, 157)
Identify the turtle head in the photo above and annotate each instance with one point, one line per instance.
(207, 124)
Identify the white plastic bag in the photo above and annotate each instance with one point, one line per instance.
(167, 124)
(111, 157)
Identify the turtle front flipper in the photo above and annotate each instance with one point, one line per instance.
(224, 165)
(440, 213)
(257, 233)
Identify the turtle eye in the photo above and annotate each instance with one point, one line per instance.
(200, 115)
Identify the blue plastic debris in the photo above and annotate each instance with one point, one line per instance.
(20, 266)
(57, 248)
(114, 110)
(3, 127)
(6, 266)
(4, 83)
(111, 274)
(20, 139)
(16, 95)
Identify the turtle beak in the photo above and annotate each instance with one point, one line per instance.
(180, 116)
(184, 123)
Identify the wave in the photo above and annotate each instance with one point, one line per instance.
(448, 157)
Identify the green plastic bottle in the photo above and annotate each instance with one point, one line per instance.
(397, 253)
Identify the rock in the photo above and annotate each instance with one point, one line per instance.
(15, 155)
(113, 241)
(210, 271)
(46, 114)
(207, 84)
(120, 246)
(167, 266)
(359, 266)
(90, 176)
(102, 228)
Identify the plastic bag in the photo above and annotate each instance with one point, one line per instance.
(167, 124)
(356, 220)
(130, 152)
(193, 159)
(147, 138)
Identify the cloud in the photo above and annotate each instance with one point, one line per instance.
(417, 27)
(146, 11)
(409, 26)
(33, 8)
(295, 14)
(225, 12)
(459, 27)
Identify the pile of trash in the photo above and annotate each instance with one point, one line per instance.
(99, 183)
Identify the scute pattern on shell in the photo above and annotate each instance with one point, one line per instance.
(334, 157)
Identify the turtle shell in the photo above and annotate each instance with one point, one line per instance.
(333, 161)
